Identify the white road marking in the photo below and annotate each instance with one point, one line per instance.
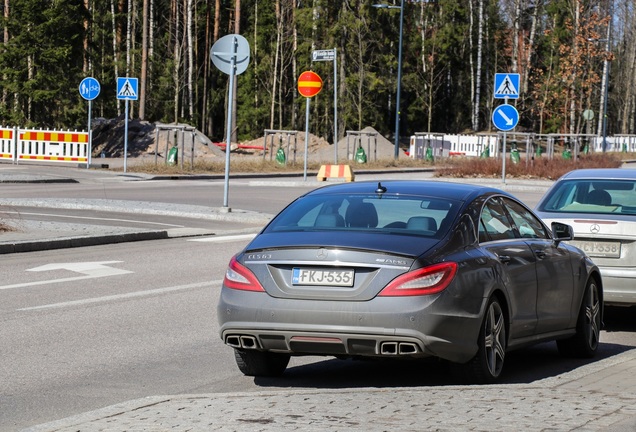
(89, 270)
(223, 239)
(131, 295)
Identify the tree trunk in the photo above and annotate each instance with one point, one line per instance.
(87, 32)
(480, 44)
(128, 36)
(6, 42)
(144, 60)
(531, 39)
(628, 108)
(205, 121)
(215, 36)
(116, 40)
(471, 60)
(177, 60)
(272, 110)
(602, 115)
(237, 30)
(575, 55)
(190, 61)
(515, 37)
(294, 115)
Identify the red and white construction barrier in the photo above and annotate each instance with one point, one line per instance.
(39, 145)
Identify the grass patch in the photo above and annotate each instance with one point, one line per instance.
(539, 168)
(258, 165)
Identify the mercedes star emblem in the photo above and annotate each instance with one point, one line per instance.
(322, 254)
(595, 228)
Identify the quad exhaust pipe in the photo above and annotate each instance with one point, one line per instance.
(386, 348)
(242, 341)
(398, 348)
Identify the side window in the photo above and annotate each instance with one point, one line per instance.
(493, 223)
(527, 224)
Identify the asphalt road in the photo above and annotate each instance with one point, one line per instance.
(90, 327)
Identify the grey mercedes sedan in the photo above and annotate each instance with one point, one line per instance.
(408, 269)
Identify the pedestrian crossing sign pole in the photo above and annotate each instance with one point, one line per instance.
(127, 90)
(505, 117)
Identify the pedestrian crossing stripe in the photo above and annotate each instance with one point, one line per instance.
(506, 86)
(127, 88)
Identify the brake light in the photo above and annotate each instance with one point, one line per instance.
(424, 281)
(239, 277)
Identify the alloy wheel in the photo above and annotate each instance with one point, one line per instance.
(592, 307)
(495, 338)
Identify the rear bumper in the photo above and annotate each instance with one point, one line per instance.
(382, 327)
(619, 286)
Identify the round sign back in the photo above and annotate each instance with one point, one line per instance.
(232, 46)
(588, 114)
(309, 84)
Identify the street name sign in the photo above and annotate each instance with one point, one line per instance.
(323, 55)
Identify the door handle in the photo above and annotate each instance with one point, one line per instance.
(540, 254)
(504, 259)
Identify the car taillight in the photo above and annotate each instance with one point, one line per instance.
(423, 281)
(239, 277)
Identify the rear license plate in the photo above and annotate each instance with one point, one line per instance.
(322, 277)
(602, 249)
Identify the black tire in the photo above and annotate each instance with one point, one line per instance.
(487, 365)
(260, 363)
(584, 343)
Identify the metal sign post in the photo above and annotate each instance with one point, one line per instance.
(89, 89)
(505, 117)
(309, 85)
(231, 55)
(127, 90)
(330, 55)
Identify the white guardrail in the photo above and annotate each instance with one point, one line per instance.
(65, 146)
(445, 145)
(43, 145)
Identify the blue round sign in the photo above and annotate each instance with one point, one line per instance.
(89, 88)
(505, 117)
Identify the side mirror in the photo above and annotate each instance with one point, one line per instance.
(562, 232)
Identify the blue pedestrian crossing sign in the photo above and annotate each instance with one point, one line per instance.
(127, 88)
(506, 85)
(505, 117)
(89, 88)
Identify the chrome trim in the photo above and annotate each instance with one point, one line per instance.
(329, 263)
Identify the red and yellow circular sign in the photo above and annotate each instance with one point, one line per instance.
(309, 84)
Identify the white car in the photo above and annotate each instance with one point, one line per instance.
(600, 205)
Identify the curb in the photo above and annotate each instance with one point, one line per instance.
(72, 242)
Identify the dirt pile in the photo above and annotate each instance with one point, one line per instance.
(144, 138)
(375, 145)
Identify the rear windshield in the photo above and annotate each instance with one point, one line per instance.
(592, 196)
(401, 214)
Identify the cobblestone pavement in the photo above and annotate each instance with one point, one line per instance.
(576, 401)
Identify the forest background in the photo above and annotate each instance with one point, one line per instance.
(562, 49)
